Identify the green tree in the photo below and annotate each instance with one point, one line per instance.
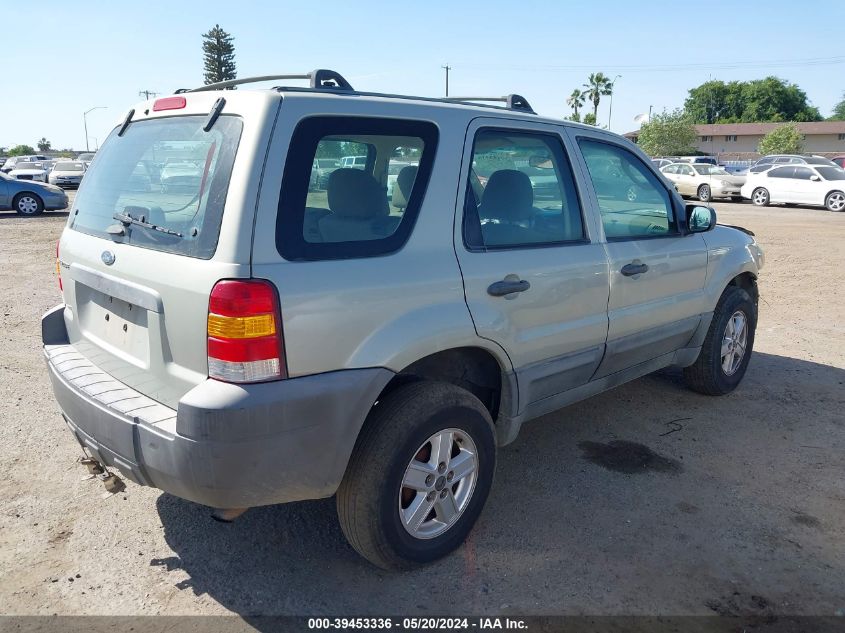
(839, 110)
(21, 150)
(576, 102)
(218, 55)
(590, 118)
(785, 139)
(668, 134)
(43, 145)
(598, 85)
(757, 101)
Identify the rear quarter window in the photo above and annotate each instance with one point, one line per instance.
(365, 207)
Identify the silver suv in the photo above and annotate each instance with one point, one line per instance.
(243, 339)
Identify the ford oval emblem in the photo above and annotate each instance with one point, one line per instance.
(107, 257)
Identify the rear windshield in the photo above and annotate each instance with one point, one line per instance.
(164, 172)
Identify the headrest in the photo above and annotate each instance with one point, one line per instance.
(353, 193)
(507, 196)
(404, 184)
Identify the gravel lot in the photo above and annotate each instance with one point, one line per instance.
(738, 509)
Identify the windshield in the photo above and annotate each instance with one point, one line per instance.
(28, 165)
(710, 170)
(831, 173)
(167, 172)
(69, 167)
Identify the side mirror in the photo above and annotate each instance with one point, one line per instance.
(815, 178)
(700, 219)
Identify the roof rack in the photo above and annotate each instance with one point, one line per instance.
(320, 78)
(512, 101)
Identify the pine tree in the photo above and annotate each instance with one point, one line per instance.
(219, 55)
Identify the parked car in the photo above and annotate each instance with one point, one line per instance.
(819, 185)
(86, 157)
(180, 177)
(704, 181)
(839, 161)
(662, 162)
(703, 160)
(354, 162)
(766, 162)
(10, 162)
(67, 174)
(30, 170)
(314, 345)
(28, 197)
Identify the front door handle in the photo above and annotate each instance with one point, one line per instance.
(506, 287)
(634, 269)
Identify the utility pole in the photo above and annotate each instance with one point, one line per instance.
(447, 68)
(612, 90)
(147, 94)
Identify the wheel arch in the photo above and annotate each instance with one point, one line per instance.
(474, 368)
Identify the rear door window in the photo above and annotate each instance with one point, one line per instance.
(520, 193)
(365, 207)
(166, 173)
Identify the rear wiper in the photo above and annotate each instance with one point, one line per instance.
(128, 219)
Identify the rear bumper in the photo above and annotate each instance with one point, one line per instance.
(225, 446)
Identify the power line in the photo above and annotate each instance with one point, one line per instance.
(737, 65)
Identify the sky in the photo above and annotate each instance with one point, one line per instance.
(63, 58)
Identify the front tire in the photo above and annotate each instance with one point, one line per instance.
(835, 201)
(419, 475)
(727, 348)
(704, 193)
(28, 204)
(760, 197)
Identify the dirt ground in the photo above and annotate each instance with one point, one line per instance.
(648, 499)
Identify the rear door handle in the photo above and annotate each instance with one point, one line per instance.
(634, 269)
(506, 287)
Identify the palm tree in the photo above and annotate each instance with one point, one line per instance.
(576, 101)
(598, 85)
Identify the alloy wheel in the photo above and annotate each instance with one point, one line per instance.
(836, 201)
(438, 483)
(734, 342)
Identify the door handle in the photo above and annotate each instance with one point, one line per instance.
(506, 287)
(634, 269)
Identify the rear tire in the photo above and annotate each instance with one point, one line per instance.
(760, 197)
(835, 201)
(704, 193)
(28, 204)
(720, 366)
(396, 526)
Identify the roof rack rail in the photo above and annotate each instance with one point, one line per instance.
(320, 78)
(512, 101)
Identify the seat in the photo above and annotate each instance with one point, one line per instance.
(402, 189)
(358, 208)
(507, 208)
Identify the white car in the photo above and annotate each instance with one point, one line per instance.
(821, 185)
(67, 173)
(30, 171)
(702, 180)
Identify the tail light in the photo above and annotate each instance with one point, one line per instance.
(245, 342)
(59, 268)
